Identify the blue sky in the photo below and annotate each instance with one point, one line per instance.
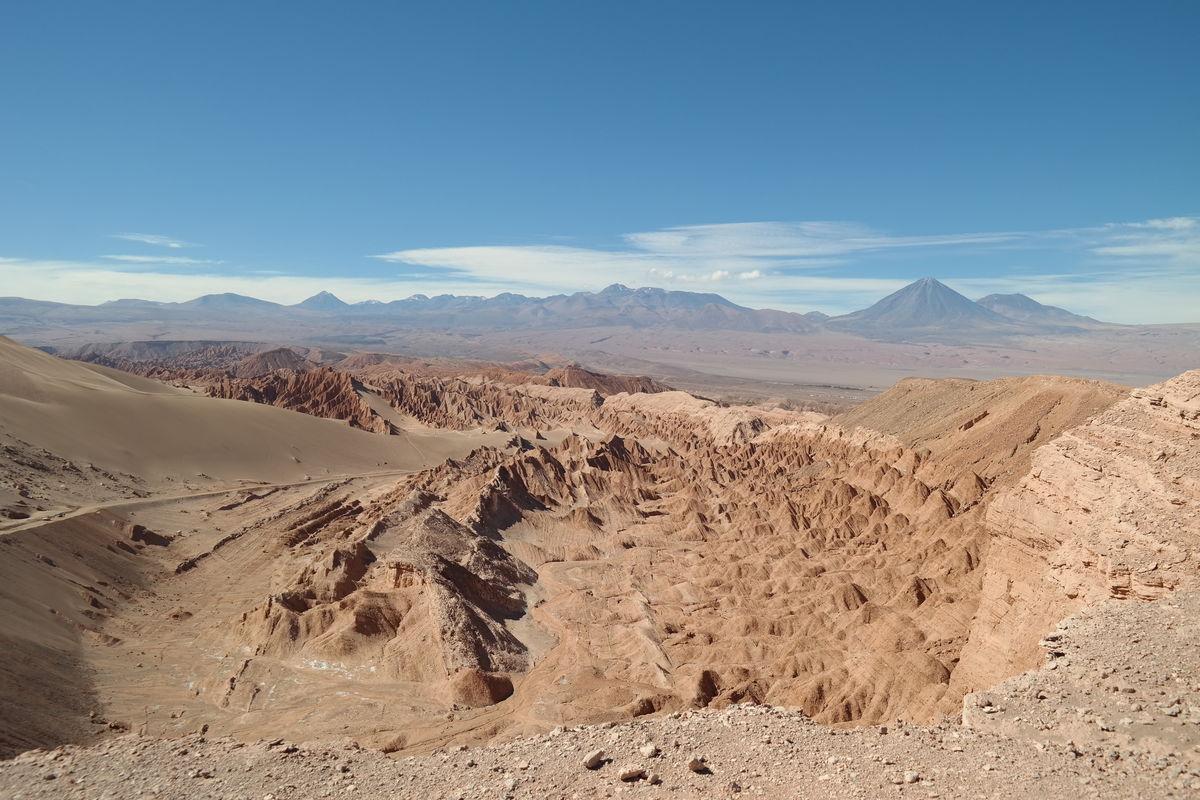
(785, 154)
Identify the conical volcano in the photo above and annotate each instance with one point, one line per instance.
(927, 305)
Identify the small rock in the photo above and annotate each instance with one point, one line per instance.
(911, 777)
(698, 764)
(593, 759)
(631, 773)
(648, 750)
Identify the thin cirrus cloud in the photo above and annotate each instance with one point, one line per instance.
(713, 253)
(177, 260)
(791, 240)
(154, 239)
(1175, 240)
(760, 250)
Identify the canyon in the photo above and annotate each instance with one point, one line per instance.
(421, 555)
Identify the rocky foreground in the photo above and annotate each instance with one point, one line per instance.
(1115, 712)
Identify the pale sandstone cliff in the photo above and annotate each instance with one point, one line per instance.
(1109, 509)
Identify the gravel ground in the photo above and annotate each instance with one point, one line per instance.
(746, 750)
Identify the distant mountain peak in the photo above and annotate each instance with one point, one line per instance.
(1025, 309)
(229, 300)
(923, 304)
(928, 284)
(323, 301)
(1016, 299)
(131, 302)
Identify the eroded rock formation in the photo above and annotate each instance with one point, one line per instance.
(321, 392)
(614, 555)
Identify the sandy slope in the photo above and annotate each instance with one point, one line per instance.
(103, 449)
(118, 422)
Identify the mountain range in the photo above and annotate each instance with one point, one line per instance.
(924, 309)
(694, 340)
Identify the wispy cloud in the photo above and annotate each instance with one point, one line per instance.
(792, 240)
(1175, 240)
(162, 260)
(155, 239)
(715, 275)
(711, 253)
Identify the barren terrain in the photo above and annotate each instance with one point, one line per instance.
(432, 557)
(1097, 720)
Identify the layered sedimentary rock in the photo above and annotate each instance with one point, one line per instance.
(1109, 509)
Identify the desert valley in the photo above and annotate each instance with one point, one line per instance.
(268, 570)
(536, 400)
